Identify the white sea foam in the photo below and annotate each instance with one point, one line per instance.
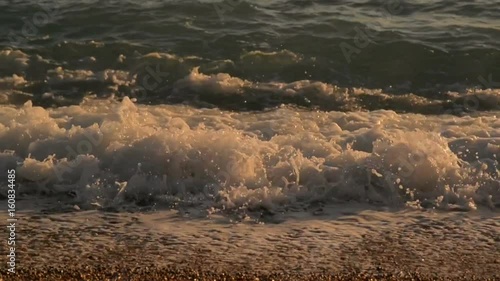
(108, 151)
(11, 82)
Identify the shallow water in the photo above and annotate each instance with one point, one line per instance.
(241, 106)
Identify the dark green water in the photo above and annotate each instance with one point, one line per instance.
(422, 47)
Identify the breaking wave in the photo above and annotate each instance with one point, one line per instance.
(108, 153)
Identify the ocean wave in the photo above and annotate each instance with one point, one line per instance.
(108, 153)
(169, 78)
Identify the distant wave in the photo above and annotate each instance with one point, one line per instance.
(172, 79)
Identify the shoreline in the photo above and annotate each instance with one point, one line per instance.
(344, 242)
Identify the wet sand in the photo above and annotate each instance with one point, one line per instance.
(342, 242)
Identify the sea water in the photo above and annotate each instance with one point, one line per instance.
(244, 105)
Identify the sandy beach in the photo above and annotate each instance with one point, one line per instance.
(347, 242)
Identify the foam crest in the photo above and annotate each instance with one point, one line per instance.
(110, 152)
(254, 80)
